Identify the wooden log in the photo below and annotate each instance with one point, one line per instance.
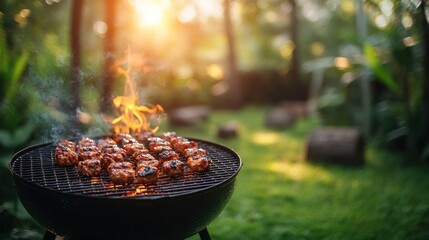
(279, 118)
(228, 130)
(341, 145)
(188, 116)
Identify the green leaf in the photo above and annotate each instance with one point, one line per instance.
(382, 73)
(15, 76)
(4, 55)
(17, 138)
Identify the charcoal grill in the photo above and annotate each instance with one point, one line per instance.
(75, 207)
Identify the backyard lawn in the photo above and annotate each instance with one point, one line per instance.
(281, 196)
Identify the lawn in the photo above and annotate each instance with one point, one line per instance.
(281, 196)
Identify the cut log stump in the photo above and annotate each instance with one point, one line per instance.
(188, 116)
(341, 145)
(228, 130)
(279, 118)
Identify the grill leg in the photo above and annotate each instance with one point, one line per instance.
(204, 234)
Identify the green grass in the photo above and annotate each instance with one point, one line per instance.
(281, 196)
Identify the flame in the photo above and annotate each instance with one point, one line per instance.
(134, 117)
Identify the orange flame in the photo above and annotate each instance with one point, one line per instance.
(134, 117)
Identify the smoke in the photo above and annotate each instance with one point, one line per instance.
(51, 111)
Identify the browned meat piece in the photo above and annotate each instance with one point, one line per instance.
(86, 142)
(157, 141)
(167, 156)
(178, 139)
(64, 156)
(105, 142)
(112, 154)
(121, 173)
(114, 149)
(199, 163)
(143, 136)
(159, 149)
(173, 168)
(89, 152)
(139, 152)
(127, 141)
(120, 136)
(130, 148)
(168, 136)
(89, 167)
(188, 152)
(182, 144)
(149, 163)
(67, 143)
(147, 175)
(143, 157)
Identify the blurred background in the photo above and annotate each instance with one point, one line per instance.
(349, 63)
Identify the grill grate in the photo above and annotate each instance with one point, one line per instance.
(36, 165)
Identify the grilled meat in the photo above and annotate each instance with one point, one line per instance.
(157, 141)
(121, 173)
(112, 154)
(159, 149)
(67, 143)
(85, 142)
(180, 144)
(105, 143)
(143, 136)
(173, 168)
(147, 175)
(167, 156)
(149, 163)
(143, 157)
(65, 156)
(188, 152)
(89, 167)
(168, 136)
(130, 148)
(88, 152)
(199, 163)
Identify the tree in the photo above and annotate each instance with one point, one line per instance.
(234, 81)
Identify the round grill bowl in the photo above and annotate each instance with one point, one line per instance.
(172, 209)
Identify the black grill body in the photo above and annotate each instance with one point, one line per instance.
(93, 208)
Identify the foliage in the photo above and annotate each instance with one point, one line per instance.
(399, 66)
(15, 130)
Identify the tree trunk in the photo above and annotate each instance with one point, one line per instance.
(425, 97)
(75, 58)
(234, 81)
(364, 81)
(109, 50)
(294, 70)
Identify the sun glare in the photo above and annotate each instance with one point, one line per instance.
(149, 14)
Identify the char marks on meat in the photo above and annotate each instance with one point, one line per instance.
(139, 158)
(89, 167)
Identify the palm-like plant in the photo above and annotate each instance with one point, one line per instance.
(14, 128)
(405, 74)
